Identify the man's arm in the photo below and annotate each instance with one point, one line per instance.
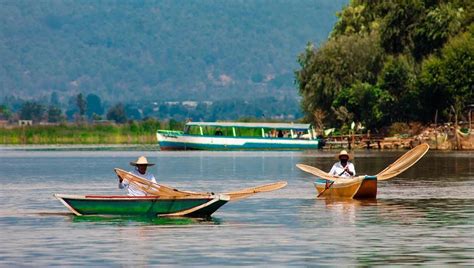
(122, 184)
(333, 170)
(352, 169)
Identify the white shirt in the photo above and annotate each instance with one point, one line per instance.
(132, 189)
(337, 169)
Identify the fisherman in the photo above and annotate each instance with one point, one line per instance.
(140, 171)
(343, 168)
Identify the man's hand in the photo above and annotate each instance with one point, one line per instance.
(346, 169)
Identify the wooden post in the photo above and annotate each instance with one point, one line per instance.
(436, 126)
(456, 129)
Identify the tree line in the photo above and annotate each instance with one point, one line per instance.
(83, 108)
(391, 61)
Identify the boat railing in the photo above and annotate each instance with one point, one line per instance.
(170, 132)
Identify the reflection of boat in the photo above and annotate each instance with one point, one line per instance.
(361, 187)
(240, 136)
(130, 219)
(193, 206)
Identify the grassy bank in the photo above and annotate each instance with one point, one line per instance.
(131, 133)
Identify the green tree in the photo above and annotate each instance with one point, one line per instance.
(81, 104)
(366, 102)
(117, 113)
(397, 26)
(94, 105)
(435, 28)
(54, 99)
(54, 114)
(448, 80)
(398, 79)
(335, 66)
(5, 112)
(32, 111)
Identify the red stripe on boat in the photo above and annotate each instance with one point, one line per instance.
(121, 196)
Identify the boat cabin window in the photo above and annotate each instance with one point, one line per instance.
(247, 132)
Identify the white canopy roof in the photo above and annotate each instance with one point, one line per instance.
(251, 125)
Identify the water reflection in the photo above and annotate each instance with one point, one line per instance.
(425, 216)
(144, 220)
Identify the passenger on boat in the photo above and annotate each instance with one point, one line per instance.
(140, 170)
(343, 168)
(280, 134)
(218, 132)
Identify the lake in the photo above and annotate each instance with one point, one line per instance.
(424, 216)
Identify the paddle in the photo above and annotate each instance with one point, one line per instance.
(317, 172)
(326, 188)
(152, 188)
(244, 193)
(401, 164)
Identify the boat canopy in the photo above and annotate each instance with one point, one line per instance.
(251, 125)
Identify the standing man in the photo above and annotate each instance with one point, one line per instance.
(343, 168)
(140, 170)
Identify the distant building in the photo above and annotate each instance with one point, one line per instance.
(25, 122)
(103, 122)
(49, 123)
(189, 104)
(3, 123)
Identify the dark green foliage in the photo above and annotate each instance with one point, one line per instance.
(397, 26)
(117, 113)
(5, 112)
(32, 111)
(341, 62)
(94, 105)
(54, 114)
(434, 29)
(54, 99)
(448, 80)
(81, 104)
(366, 102)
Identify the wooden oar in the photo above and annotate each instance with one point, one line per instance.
(152, 188)
(325, 189)
(318, 173)
(244, 193)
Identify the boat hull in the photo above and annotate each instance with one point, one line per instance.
(142, 205)
(196, 142)
(362, 187)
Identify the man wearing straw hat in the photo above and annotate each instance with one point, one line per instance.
(343, 168)
(140, 170)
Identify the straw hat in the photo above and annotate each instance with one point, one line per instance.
(344, 152)
(141, 161)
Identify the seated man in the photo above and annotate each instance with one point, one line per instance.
(343, 168)
(140, 171)
(218, 132)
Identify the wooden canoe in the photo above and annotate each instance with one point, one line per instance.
(190, 206)
(361, 187)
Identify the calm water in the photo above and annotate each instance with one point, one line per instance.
(425, 216)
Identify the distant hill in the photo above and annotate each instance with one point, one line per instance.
(164, 50)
